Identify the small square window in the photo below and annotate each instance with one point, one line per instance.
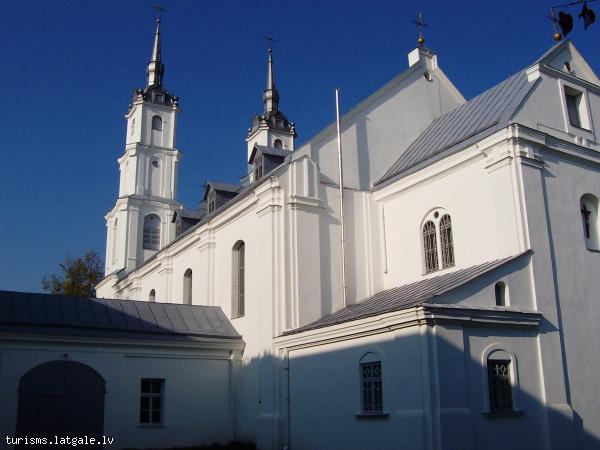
(151, 401)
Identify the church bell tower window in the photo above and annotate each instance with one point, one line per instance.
(151, 237)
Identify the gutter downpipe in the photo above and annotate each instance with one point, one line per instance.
(341, 174)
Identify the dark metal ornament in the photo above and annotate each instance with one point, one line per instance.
(588, 16)
(565, 21)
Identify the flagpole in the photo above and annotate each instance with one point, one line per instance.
(341, 173)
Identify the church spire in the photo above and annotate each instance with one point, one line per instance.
(271, 96)
(155, 68)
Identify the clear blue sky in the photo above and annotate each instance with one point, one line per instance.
(68, 69)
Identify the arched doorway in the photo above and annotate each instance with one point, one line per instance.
(61, 398)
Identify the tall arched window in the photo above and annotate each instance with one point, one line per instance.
(589, 220)
(500, 378)
(501, 293)
(446, 241)
(151, 236)
(157, 129)
(277, 143)
(152, 296)
(371, 386)
(430, 247)
(438, 241)
(187, 287)
(115, 240)
(238, 280)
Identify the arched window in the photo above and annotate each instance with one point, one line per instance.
(157, 123)
(446, 241)
(277, 143)
(438, 241)
(187, 287)
(152, 296)
(151, 237)
(238, 280)
(371, 386)
(500, 380)
(430, 247)
(157, 129)
(589, 219)
(501, 292)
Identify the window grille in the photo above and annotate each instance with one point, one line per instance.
(430, 247)
(446, 242)
(499, 384)
(151, 399)
(371, 388)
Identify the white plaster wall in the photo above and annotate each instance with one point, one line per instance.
(482, 205)
(196, 396)
(572, 274)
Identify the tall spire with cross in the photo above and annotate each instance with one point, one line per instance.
(156, 68)
(270, 96)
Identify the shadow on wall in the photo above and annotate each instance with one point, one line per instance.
(434, 394)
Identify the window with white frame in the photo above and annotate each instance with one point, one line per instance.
(152, 296)
(371, 386)
(151, 401)
(575, 108)
(589, 219)
(438, 242)
(238, 280)
(151, 233)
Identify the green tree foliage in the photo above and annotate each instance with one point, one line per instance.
(78, 278)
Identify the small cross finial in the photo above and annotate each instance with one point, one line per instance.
(420, 25)
(159, 8)
(270, 39)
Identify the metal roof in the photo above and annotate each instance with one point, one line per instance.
(494, 106)
(404, 297)
(52, 314)
(268, 151)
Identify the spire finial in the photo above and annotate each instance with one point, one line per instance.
(270, 96)
(420, 25)
(156, 68)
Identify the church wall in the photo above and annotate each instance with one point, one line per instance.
(434, 390)
(196, 388)
(325, 394)
(572, 271)
(482, 204)
(377, 131)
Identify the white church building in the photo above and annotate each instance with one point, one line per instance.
(468, 314)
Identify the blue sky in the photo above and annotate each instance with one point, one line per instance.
(68, 69)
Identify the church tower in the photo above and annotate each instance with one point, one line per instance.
(272, 128)
(141, 222)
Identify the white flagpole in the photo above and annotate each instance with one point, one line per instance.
(339, 142)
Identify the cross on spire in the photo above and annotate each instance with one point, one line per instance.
(159, 8)
(270, 39)
(420, 25)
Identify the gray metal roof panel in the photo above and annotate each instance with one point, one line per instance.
(404, 297)
(493, 106)
(58, 314)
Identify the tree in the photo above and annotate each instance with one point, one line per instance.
(78, 278)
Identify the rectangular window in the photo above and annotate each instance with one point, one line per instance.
(572, 100)
(258, 167)
(212, 201)
(499, 385)
(371, 388)
(151, 401)
(151, 239)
